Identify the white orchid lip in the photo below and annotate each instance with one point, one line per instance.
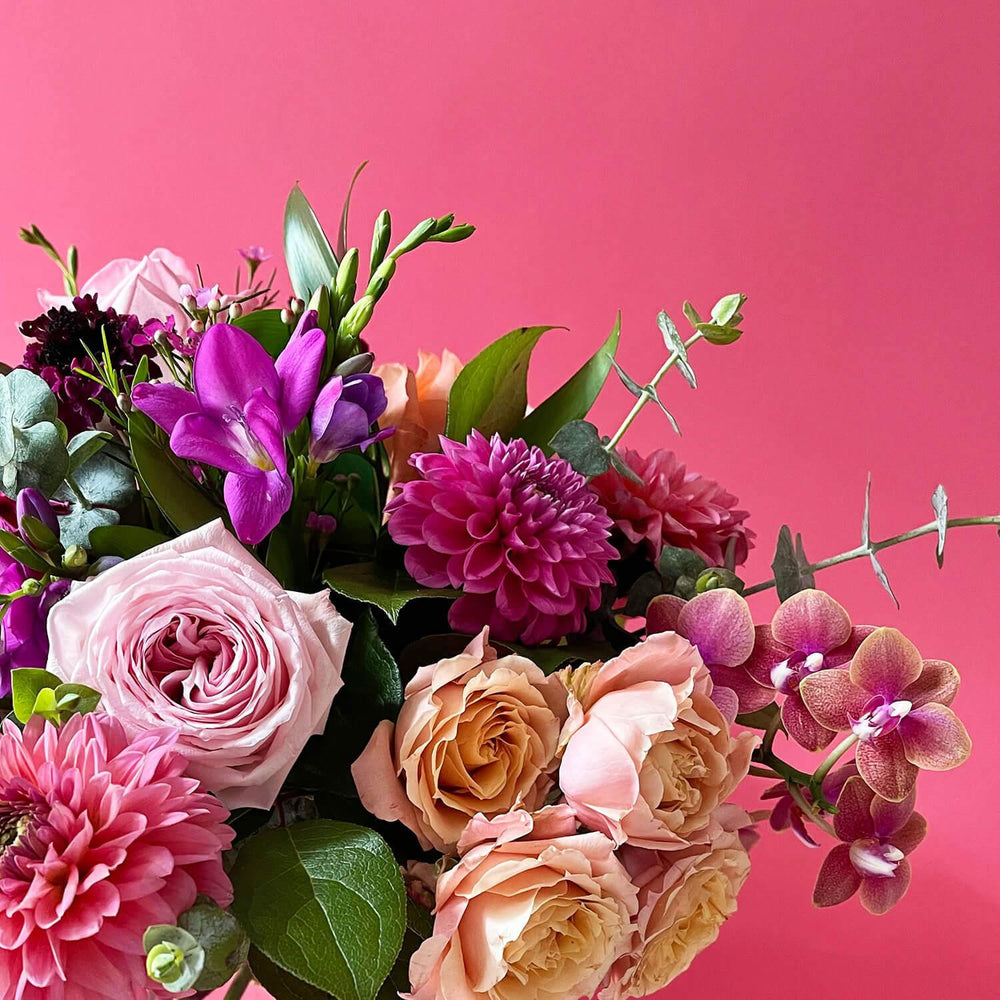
(785, 676)
(873, 859)
(880, 717)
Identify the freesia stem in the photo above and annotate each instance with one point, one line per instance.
(647, 395)
(861, 551)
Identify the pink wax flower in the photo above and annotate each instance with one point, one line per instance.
(809, 632)
(877, 835)
(521, 535)
(720, 624)
(104, 834)
(671, 506)
(649, 756)
(895, 703)
(197, 635)
(255, 254)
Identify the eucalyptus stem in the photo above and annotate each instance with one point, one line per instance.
(647, 393)
(863, 550)
(239, 985)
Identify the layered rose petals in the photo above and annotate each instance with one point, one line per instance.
(103, 835)
(897, 705)
(521, 535)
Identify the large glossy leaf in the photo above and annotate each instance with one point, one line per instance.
(390, 591)
(265, 326)
(573, 400)
(123, 540)
(323, 901)
(308, 254)
(491, 391)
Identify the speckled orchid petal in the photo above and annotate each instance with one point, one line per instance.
(938, 682)
(767, 651)
(882, 763)
(832, 699)
(853, 819)
(838, 879)
(802, 727)
(811, 621)
(879, 895)
(886, 663)
(934, 738)
(663, 613)
(720, 624)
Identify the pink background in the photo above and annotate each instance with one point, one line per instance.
(837, 162)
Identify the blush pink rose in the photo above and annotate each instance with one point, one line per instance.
(418, 408)
(476, 734)
(148, 288)
(648, 755)
(197, 636)
(532, 918)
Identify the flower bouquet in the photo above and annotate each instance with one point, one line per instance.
(356, 680)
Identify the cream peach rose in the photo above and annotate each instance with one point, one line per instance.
(476, 734)
(534, 918)
(648, 756)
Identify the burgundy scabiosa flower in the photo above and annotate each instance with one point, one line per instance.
(671, 506)
(520, 534)
(59, 338)
(101, 835)
(896, 704)
(877, 835)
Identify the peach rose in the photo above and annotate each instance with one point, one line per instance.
(476, 734)
(197, 636)
(418, 408)
(648, 755)
(535, 918)
(683, 901)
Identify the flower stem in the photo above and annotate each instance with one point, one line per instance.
(808, 810)
(647, 394)
(238, 986)
(862, 550)
(838, 751)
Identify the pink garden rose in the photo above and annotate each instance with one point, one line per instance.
(649, 756)
(476, 734)
(540, 917)
(149, 288)
(197, 636)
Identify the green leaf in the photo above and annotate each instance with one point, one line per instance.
(580, 444)
(325, 902)
(123, 540)
(280, 560)
(675, 344)
(761, 719)
(371, 677)
(939, 501)
(85, 446)
(491, 391)
(789, 565)
(342, 232)
(727, 307)
(100, 488)
(573, 400)
(39, 535)
(266, 328)
(167, 481)
(281, 984)
(15, 546)
(308, 254)
(25, 684)
(390, 591)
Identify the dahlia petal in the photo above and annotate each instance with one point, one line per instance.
(938, 682)
(832, 699)
(879, 895)
(886, 663)
(837, 880)
(853, 820)
(720, 624)
(934, 738)
(802, 727)
(882, 763)
(811, 621)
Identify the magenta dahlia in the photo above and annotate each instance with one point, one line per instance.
(672, 506)
(521, 535)
(101, 836)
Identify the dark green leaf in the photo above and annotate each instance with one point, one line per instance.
(789, 565)
(573, 400)
(266, 328)
(308, 254)
(580, 444)
(491, 391)
(123, 540)
(371, 676)
(761, 719)
(645, 588)
(391, 591)
(280, 984)
(325, 902)
(40, 535)
(939, 501)
(280, 560)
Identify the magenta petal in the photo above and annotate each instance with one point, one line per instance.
(879, 895)
(889, 817)
(663, 613)
(934, 738)
(853, 820)
(909, 837)
(720, 624)
(767, 651)
(832, 699)
(802, 727)
(727, 702)
(886, 663)
(264, 423)
(256, 503)
(938, 682)
(837, 880)
(229, 366)
(298, 367)
(164, 403)
(883, 765)
(199, 437)
(811, 622)
(750, 694)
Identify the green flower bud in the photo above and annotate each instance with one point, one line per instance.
(347, 276)
(419, 234)
(221, 938)
(380, 279)
(718, 578)
(380, 238)
(30, 587)
(235, 311)
(357, 317)
(75, 557)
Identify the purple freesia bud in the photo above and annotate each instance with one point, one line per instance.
(342, 418)
(24, 640)
(33, 503)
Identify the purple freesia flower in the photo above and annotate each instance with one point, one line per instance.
(243, 406)
(345, 410)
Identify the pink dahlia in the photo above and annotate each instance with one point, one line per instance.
(521, 535)
(672, 506)
(102, 835)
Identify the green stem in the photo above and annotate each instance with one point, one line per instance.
(861, 551)
(764, 772)
(238, 986)
(807, 810)
(783, 770)
(824, 769)
(648, 395)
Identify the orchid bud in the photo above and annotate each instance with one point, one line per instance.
(380, 279)
(380, 238)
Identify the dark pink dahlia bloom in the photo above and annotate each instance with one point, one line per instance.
(101, 835)
(672, 506)
(521, 535)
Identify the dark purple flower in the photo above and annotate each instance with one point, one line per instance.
(342, 419)
(33, 503)
(243, 406)
(59, 338)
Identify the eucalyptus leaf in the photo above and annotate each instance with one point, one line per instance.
(627, 381)
(579, 442)
(84, 446)
(389, 590)
(100, 488)
(882, 578)
(573, 400)
(490, 393)
(39, 458)
(310, 258)
(790, 567)
(675, 344)
(726, 308)
(939, 501)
